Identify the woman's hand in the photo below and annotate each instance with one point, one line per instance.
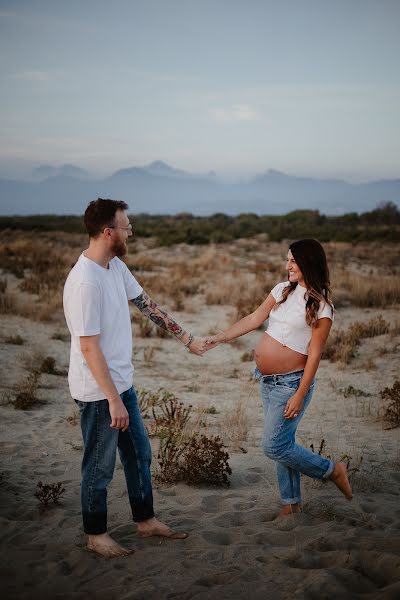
(293, 406)
(197, 346)
(212, 341)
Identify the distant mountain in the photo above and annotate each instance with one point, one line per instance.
(44, 171)
(160, 188)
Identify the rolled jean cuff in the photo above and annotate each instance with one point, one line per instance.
(287, 501)
(329, 471)
(94, 523)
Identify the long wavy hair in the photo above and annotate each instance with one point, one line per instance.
(310, 257)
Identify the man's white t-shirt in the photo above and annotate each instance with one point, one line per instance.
(96, 303)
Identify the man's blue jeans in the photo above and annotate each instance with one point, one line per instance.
(101, 442)
(279, 436)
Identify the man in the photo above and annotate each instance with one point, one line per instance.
(96, 296)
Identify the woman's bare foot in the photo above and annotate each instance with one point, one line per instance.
(104, 545)
(341, 480)
(290, 509)
(155, 527)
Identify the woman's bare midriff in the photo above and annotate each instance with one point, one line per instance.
(272, 357)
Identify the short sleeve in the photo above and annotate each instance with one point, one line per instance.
(278, 289)
(132, 287)
(325, 310)
(84, 310)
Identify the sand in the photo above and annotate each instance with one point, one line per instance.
(236, 547)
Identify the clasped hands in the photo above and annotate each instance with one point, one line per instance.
(200, 345)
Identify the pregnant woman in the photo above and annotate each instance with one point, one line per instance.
(300, 314)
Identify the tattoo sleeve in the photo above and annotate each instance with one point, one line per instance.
(149, 308)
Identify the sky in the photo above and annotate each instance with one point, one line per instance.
(308, 87)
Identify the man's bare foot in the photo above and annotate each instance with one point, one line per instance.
(155, 527)
(341, 480)
(290, 509)
(104, 545)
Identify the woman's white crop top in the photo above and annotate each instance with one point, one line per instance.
(287, 323)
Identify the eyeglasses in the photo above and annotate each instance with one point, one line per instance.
(129, 228)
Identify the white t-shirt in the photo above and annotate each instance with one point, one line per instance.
(96, 302)
(287, 323)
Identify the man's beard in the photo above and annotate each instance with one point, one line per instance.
(120, 249)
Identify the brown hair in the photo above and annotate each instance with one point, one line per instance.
(100, 213)
(311, 260)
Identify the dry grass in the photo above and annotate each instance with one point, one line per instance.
(342, 345)
(235, 426)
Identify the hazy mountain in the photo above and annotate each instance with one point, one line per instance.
(159, 188)
(45, 171)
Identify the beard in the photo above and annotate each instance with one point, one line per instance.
(120, 249)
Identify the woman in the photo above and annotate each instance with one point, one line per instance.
(287, 356)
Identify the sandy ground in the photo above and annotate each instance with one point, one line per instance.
(236, 547)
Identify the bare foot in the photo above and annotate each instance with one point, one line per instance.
(290, 509)
(341, 480)
(155, 527)
(104, 545)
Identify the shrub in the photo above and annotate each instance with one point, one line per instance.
(147, 399)
(16, 340)
(199, 460)
(247, 356)
(49, 492)
(145, 326)
(171, 418)
(392, 411)
(26, 391)
(342, 345)
(49, 366)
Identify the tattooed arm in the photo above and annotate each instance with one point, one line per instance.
(152, 311)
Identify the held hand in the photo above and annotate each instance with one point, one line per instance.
(119, 415)
(197, 346)
(293, 407)
(211, 341)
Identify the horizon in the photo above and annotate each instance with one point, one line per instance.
(306, 88)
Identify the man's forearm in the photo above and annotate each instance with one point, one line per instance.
(152, 311)
(100, 371)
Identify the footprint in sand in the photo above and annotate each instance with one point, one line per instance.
(229, 519)
(219, 538)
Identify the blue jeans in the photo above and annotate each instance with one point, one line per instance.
(279, 436)
(101, 442)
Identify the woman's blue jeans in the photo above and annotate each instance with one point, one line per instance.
(101, 443)
(279, 436)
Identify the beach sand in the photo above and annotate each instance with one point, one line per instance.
(236, 547)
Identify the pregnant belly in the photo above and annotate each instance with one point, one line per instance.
(272, 357)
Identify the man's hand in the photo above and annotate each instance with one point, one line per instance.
(119, 414)
(293, 407)
(198, 346)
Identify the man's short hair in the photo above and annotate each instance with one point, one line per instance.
(100, 213)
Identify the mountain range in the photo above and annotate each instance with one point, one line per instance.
(158, 188)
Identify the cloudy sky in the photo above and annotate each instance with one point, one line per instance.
(238, 86)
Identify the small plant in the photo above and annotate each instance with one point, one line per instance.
(344, 457)
(211, 410)
(352, 391)
(62, 337)
(49, 492)
(26, 391)
(145, 327)
(206, 461)
(392, 411)
(247, 356)
(148, 355)
(147, 399)
(49, 366)
(198, 460)
(73, 419)
(173, 418)
(16, 340)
